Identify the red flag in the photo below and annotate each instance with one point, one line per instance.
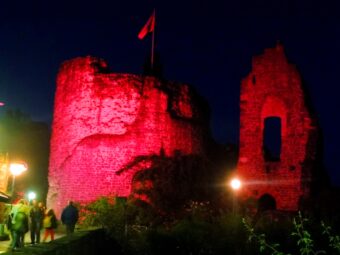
(148, 27)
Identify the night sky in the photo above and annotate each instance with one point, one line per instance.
(208, 44)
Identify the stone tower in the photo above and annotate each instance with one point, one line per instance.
(272, 91)
(102, 121)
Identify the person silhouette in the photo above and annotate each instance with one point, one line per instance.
(69, 217)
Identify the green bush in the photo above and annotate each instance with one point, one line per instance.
(199, 229)
(306, 242)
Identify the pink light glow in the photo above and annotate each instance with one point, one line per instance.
(102, 122)
(273, 89)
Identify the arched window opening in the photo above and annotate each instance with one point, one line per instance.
(272, 139)
(266, 202)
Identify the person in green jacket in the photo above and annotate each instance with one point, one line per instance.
(19, 224)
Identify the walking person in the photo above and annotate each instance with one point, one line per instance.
(19, 224)
(42, 207)
(36, 218)
(69, 217)
(49, 224)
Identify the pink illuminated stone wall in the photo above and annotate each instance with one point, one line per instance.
(273, 89)
(102, 121)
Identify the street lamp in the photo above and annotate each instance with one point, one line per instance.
(31, 195)
(16, 169)
(235, 184)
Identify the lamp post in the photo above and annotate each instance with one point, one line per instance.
(16, 169)
(235, 184)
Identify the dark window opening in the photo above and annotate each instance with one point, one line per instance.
(254, 79)
(272, 139)
(265, 203)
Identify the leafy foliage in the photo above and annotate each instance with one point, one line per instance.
(175, 181)
(139, 229)
(305, 241)
(334, 240)
(200, 229)
(261, 240)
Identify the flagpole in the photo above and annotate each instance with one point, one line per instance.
(153, 41)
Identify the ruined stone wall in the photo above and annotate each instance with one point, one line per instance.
(102, 121)
(273, 89)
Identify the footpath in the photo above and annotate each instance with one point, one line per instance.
(5, 244)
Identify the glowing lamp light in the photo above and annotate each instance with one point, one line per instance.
(235, 184)
(31, 195)
(17, 168)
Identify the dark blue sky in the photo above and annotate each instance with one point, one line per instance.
(208, 44)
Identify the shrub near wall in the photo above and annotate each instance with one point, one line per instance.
(198, 230)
